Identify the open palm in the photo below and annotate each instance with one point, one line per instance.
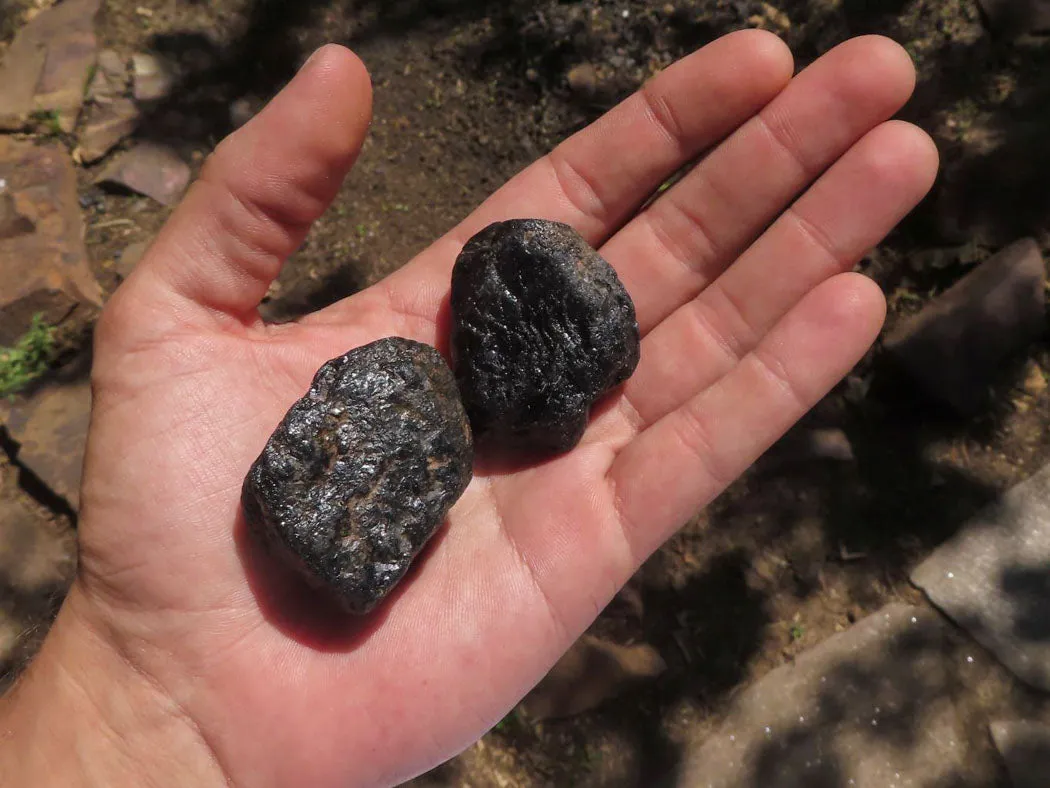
(748, 317)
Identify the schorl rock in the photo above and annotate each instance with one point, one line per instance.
(542, 327)
(363, 469)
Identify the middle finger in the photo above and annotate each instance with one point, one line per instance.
(685, 239)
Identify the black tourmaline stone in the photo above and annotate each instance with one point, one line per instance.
(542, 327)
(363, 469)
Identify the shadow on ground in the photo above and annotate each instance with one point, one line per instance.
(38, 552)
(980, 95)
(825, 541)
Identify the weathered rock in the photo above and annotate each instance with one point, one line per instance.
(1025, 747)
(955, 345)
(590, 673)
(583, 79)
(829, 444)
(824, 443)
(130, 256)
(47, 65)
(991, 185)
(152, 77)
(43, 262)
(244, 109)
(37, 555)
(993, 579)
(868, 707)
(19, 74)
(542, 327)
(363, 469)
(110, 80)
(50, 429)
(1014, 17)
(68, 65)
(150, 169)
(105, 126)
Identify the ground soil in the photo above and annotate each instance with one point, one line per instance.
(469, 91)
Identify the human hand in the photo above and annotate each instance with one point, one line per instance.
(189, 658)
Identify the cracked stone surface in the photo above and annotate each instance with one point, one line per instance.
(362, 470)
(43, 261)
(869, 707)
(993, 579)
(47, 65)
(105, 126)
(50, 428)
(542, 328)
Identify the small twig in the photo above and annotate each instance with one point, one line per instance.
(112, 223)
(847, 555)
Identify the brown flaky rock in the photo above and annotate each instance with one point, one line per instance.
(43, 262)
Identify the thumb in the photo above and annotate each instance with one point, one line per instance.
(255, 199)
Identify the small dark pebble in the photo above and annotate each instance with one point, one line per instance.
(363, 469)
(542, 327)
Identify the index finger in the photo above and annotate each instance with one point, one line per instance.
(599, 177)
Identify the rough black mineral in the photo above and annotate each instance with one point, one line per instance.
(363, 469)
(542, 327)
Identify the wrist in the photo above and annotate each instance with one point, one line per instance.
(83, 715)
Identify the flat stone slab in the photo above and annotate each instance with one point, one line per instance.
(50, 429)
(45, 69)
(19, 74)
(870, 707)
(43, 261)
(993, 579)
(105, 126)
(1025, 747)
(151, 169)
(955, 346)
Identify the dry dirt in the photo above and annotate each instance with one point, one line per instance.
(468, 92)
